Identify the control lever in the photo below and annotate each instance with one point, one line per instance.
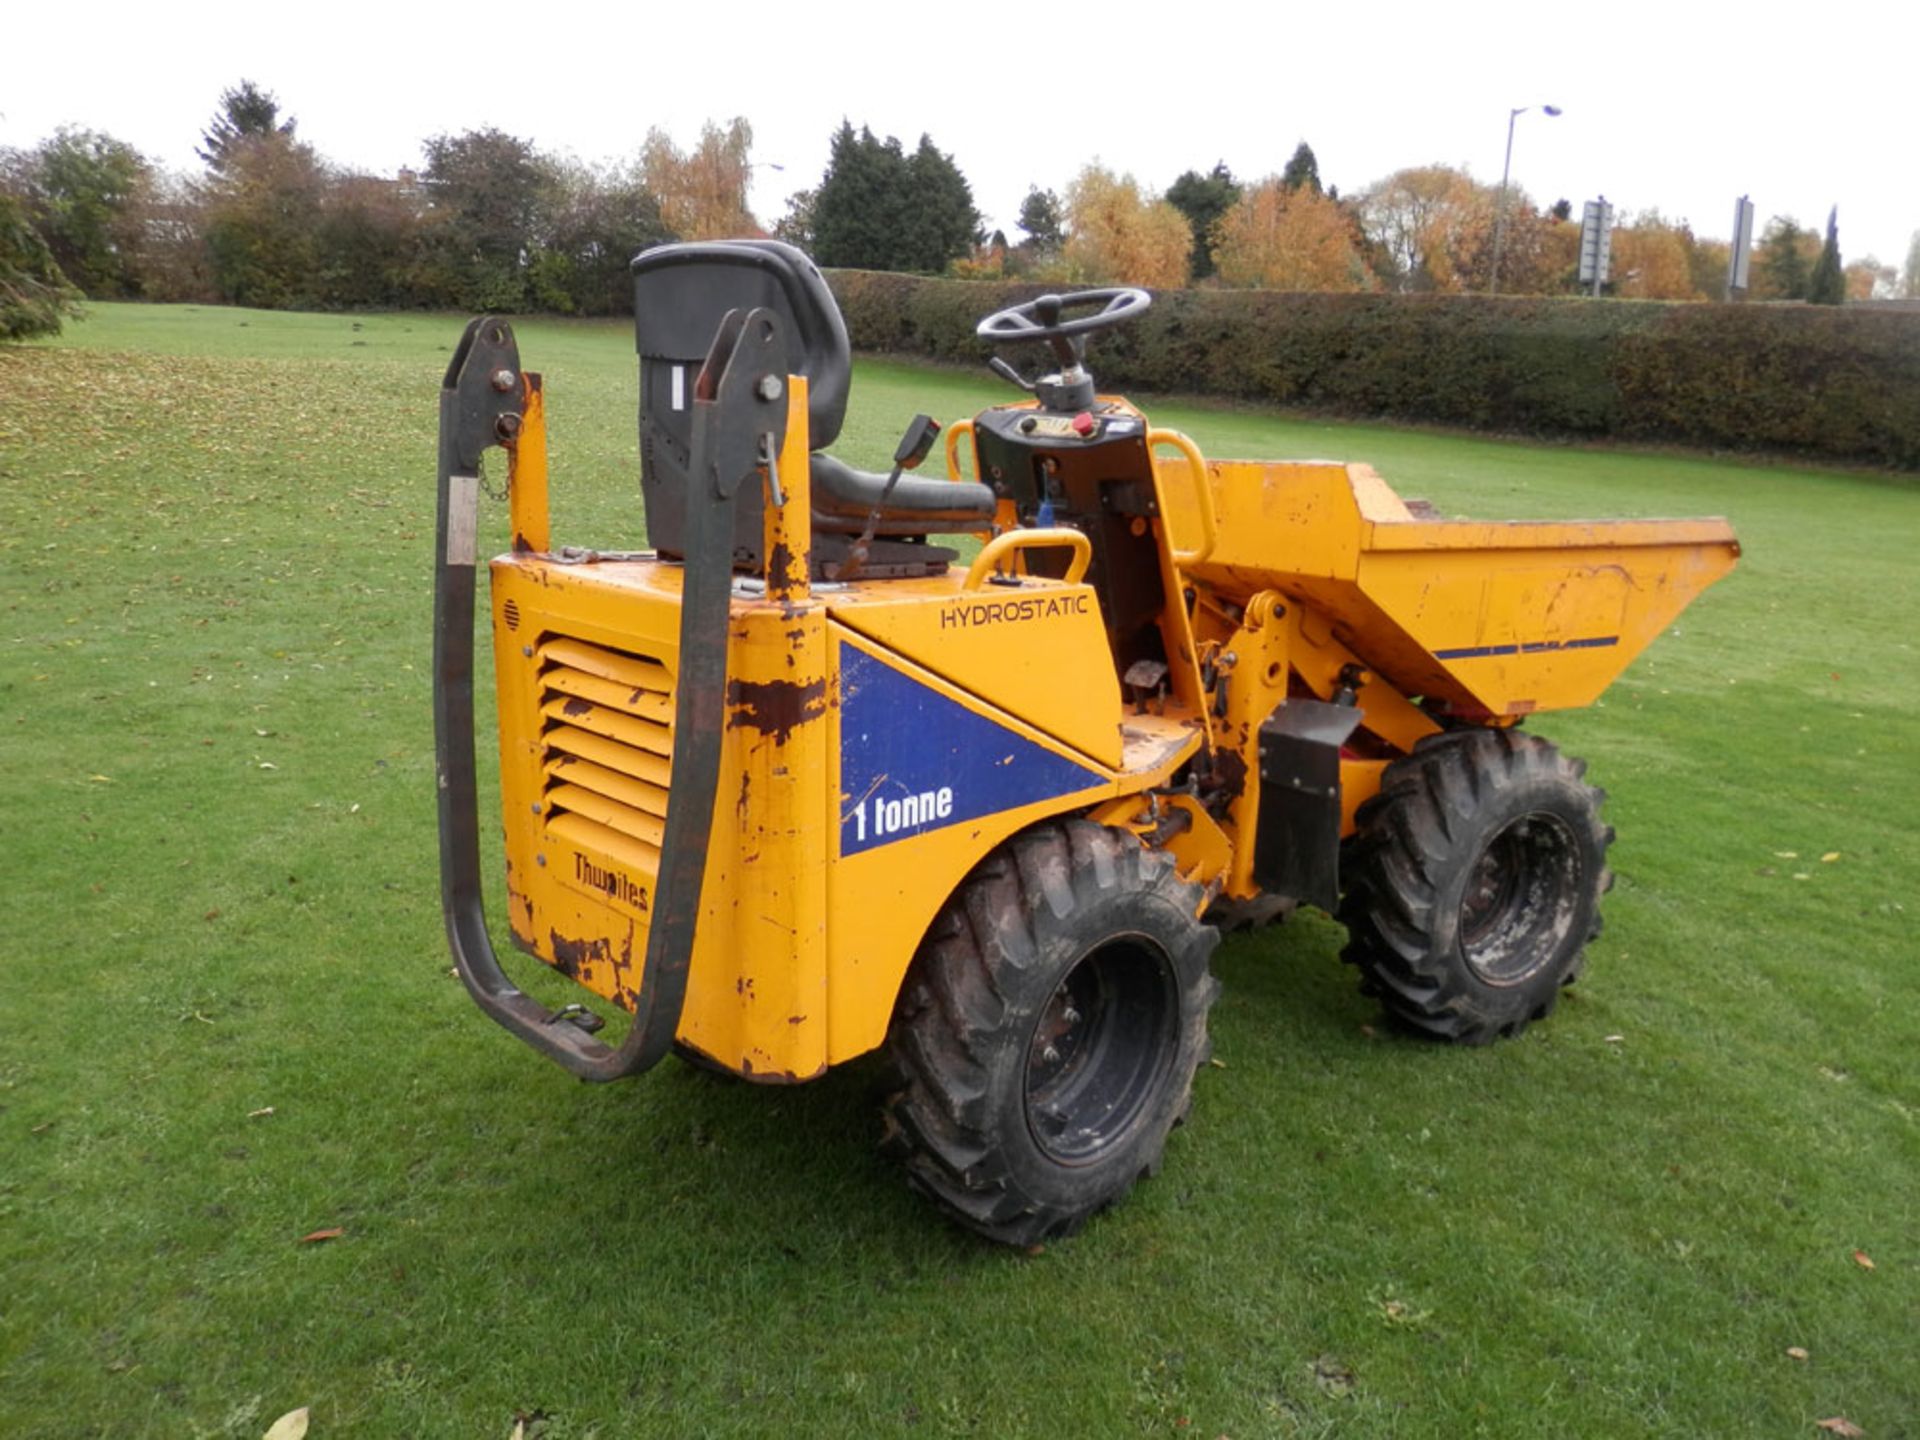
(1007, 372)
(914, 447)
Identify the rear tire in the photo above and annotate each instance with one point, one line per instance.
(1048, 1032)
(1473, 883)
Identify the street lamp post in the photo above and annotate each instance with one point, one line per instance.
(1500, 219)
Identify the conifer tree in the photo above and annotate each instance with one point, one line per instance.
(1828, 283)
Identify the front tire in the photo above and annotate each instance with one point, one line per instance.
(1047, 1035)
(1473, 883)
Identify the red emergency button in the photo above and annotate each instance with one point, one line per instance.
(1083, 424)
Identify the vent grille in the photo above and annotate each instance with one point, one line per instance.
(608, 748)
(510, 612)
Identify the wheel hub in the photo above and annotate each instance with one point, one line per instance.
(1100, 1049)
(1519, 898)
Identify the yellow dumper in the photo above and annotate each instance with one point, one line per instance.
(798, 782)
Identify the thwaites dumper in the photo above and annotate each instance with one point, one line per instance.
(797, 782)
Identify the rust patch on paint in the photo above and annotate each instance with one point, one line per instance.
(572, 957)
(776, 708)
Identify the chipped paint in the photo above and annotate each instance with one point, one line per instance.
(776, 708)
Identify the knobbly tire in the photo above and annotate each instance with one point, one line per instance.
(1046, 1038)
(1473, 883)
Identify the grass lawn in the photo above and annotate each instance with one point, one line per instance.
(1689, 1204)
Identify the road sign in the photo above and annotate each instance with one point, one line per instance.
(1596, 243)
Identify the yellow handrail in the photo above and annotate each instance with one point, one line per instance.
(1202, 492)
(1001, 546)
(954, 432)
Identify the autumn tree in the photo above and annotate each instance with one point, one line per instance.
(1652, 259)
(1283, 237)
(702, 192)
(1827, 285)
(1204, 199)
(1120, 234)
(78, 190)
(1868, 279)
(1539, 256)
(34, 296)
(262, 215)
(246, 113)
(1425, 224)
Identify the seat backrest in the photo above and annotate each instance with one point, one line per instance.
(680, 295)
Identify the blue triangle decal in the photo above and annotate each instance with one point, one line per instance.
(912, 760)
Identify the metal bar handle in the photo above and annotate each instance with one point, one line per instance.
(1000, 547)
(1202, 492)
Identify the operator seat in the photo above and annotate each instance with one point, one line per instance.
(681, 294)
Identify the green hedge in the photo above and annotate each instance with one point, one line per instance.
(1837, 383)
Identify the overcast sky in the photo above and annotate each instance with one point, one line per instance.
(1678, 106)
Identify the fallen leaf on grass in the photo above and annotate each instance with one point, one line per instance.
(1839, 1425)
(1333, 1375)
(1786, 854)
(211, 915)
(1216, 1062)
(333, 1234)
(1863, 1260)
(101, 779)
(1829, 857)
(1616, 1040)
(1796, 1352)
(257, 1114)
(290, 1426)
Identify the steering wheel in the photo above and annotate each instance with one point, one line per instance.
(1043, 319)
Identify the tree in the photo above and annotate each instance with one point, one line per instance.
(796, 226)
(702, 192)
(856, 208)
(878, 208)
(1203, 199)
(1425, 224)
(77, 189)
(1868, 279)
(1707, 264)
(1303, 170)
(1040, 217)
(941, 223)
(1540, 257)
(1785, 262)
(246, 113)
(488, 197)
(1652, 259)
(262, 216)
(1121, 234)
(1828, 283)
(1284, 237)
(34, 295)
(367, 236)
(600, 220)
